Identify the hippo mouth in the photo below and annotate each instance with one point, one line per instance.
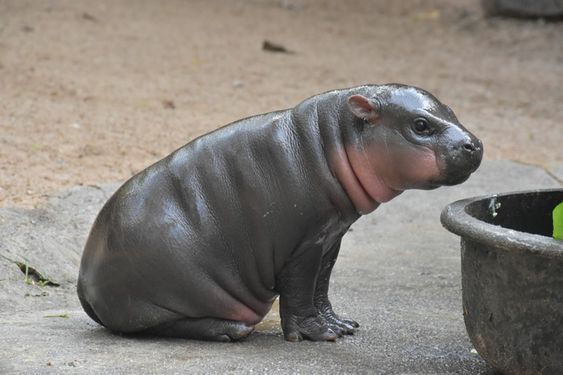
(443, 180)
(448, 179)
(456, 180)
(458, 177)
(456, 174)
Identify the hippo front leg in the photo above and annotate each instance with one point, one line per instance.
(337, 324)
(296, 285)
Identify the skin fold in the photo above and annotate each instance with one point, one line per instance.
(199, 244)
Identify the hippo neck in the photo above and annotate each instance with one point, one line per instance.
(370, 182)
(363, 186)
(342, 169)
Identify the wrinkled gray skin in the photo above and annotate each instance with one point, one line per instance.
(199, 244)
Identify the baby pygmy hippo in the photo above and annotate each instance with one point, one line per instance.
(199, 244)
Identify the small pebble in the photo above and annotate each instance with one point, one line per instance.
(168, 104)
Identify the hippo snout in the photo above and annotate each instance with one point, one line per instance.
(471, 153)
(462, 158)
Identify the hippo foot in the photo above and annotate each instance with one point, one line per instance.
(314, 328)
(234, 331)
(339, 325)
(209, 329)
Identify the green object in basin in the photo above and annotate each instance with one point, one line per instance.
(558, 222)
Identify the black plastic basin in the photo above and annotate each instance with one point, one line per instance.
(512, 279)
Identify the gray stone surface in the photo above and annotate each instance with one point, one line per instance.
(398, 275)
(557, 172)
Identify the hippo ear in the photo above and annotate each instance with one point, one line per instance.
(363, 107)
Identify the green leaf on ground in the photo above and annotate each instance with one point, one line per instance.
(65, 316)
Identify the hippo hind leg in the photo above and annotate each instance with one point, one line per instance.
(210, 329)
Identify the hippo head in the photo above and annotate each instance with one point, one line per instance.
(404, 138)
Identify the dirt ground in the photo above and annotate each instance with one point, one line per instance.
(94, 91)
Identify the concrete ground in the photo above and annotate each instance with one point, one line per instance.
(398, 275)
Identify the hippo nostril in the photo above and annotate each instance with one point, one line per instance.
(469, 147)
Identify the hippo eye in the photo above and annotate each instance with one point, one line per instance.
(421, 126)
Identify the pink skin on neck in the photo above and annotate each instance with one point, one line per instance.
(364, 187)
(371, 179)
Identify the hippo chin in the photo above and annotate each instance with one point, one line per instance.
(199, 244)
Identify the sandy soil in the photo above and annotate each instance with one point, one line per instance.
(94, 91)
